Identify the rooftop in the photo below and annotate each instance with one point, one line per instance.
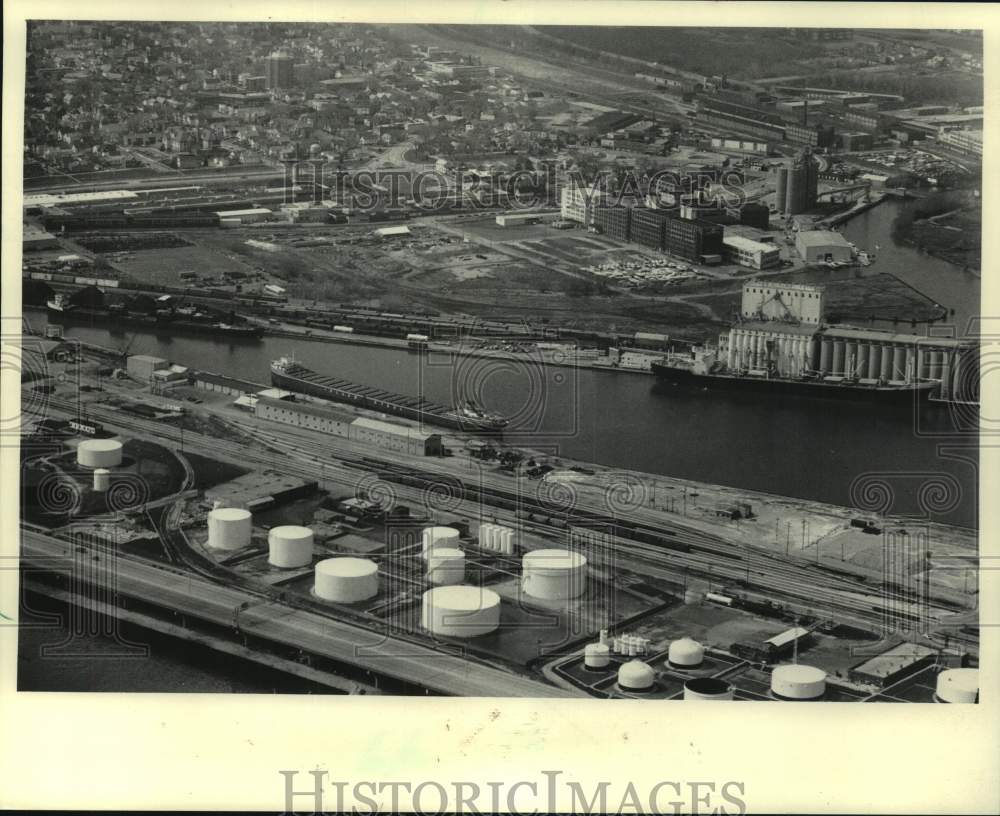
(811, 238)
(896, 658)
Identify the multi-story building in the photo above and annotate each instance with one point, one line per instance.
(751, 254)
(280, 70)
(577, 203)
(968, 141)
(692, 239)
(614, 220)
(648, 226)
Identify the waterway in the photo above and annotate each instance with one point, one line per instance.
(806, 448)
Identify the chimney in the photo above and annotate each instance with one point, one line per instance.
(805, 113)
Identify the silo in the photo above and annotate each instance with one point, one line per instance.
(596, 656)
(885, 369)
(439, 537)
(229, 528)
(102, 480)
(838, 358)
(711, 689)
(486, 536)
(554, 574)
(936, 361)
(781, 189)
(898, 363)
(99, 453)
(635, 676)
(957, 686)
(445, 565)
(346, 580)
(460, 611)
(874, 360)
(794, 681)
(685, 653)
(290, 546)
(825, 356)
(507, 541)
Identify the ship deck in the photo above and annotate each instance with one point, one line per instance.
(369, 392)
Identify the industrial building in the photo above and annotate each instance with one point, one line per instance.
(330, 420)
(796, 186)
(613, 221)
(751, 254)
(755, 215)
(823, 246)
(143, 366)
(773, 649)
(578, 204)
(792, 302)
(250, 216)
(893, 665)
(693, 239)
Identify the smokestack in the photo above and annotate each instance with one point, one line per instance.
(805, 112)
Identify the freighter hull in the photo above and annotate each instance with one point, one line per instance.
(819, 389)
(94, 317)
(300, 379)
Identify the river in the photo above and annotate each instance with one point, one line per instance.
(810, 449)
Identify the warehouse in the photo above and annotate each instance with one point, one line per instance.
(142, 366)
(396, 437)
(822, 246)
(893, 665)
(751, 254)
(207, 381)
(252, 216)
(305, 415)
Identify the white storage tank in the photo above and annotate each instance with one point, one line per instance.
(460, 611)
(596, 655)
(708, 688)
(794, 681)
(445, 566)
(635, 676)
(507, 541)
(439, 537)
(102, 480)
(957, 686)
(346, 580)
(685, 653)
(553, 574)
(99, 453)
(229, 528)
(486, 536)
(290, 546)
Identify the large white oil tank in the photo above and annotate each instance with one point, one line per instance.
(102, 480)
(635, 676)
(553, 574)
(685, 653)
(596, 655)
(290, 546)
(439, 537)
(445, 566)
(346, 580)
(707, 688)
(99, 453)
(794, 681)
(229, 528)
(460, 611)
(957, 686)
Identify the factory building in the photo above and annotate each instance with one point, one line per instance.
(755, 215)
(614, 221)
(250, 216)
(819, 246)
(387, 435)
(649, 226)
(577, 203)
(893, 665)
(772, 649)
(693, 239)
(143, 366)
(749, 253)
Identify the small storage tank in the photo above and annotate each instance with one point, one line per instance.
(707, 688)
(596, 655)
(346, 580)
(957, 686)
(460, 611)
(635, 676)
(793, 681)
(445, 565)
(229, 528)
(685, 653)
(290, 546)
(553, 574)
(102, 480)
(507, 541)
(99, 453)
(439, 537)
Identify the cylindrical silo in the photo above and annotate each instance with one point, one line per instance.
(935, 365)
(685, 653)
(710, 689)
(229, 528)
(102, 479)
(874, 360)
(596, 656)
(290, 546)
(507, 541)
(794, 681)
(445, 565)
(885, 369)
(838, 358)
(99, 453)
(485, 536)
(898, 363)
(554, 574)
(825, 357)
(346, 580)
(439, 537)
(635, 676)
(460, 611)
(957, 686)
(781, 190)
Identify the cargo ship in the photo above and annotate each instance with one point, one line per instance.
(809, 384)
(291, 376)
(180, 320)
